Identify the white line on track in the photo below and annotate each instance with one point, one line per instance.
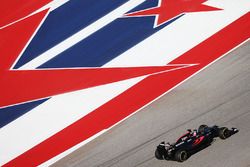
(52, 6)
(72, 149)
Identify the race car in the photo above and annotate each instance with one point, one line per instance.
(192, 141)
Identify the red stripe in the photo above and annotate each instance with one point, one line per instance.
(12, 43)
(142, 93)
(197, 141)
(186, 134)
(36, 84)
(13, 10)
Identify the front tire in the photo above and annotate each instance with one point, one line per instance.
(181, 155)
(158, 155)
(224, 133)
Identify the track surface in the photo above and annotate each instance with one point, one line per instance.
(218, 95)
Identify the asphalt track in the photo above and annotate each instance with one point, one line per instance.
(220, 95)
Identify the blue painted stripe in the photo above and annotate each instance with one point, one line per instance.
(64, 22)
(11, 113)
(109, 42)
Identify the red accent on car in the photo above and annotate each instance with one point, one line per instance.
(198, 140)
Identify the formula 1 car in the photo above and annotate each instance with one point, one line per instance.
(194, 140)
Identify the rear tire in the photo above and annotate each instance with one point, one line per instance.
(224, 133)
(181, 155)
(201, 128)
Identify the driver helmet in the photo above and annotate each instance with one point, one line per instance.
(195, 132)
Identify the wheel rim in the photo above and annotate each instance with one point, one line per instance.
(226, 133)
(183, 156)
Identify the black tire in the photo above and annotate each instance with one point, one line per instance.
(224, 133)
(201, 128)
(158, 155)
(181, 155)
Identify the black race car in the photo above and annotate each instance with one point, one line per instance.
(192, 141)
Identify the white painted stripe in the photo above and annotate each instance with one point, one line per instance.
(53, 116)
(182, 35)
(52, 5)
(79, 36)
